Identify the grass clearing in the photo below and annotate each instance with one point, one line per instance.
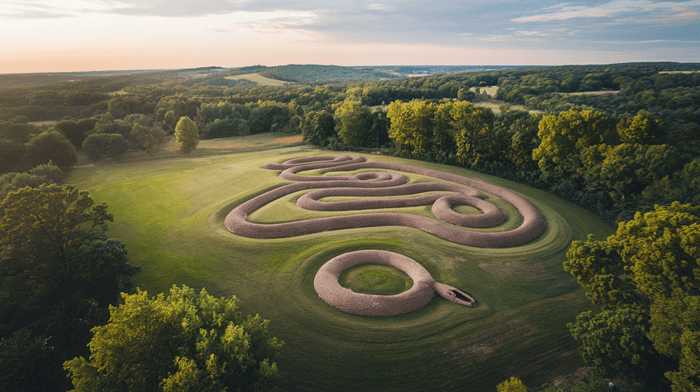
(495, 105)
(169, 211)
(48, 123)
(375, 279)
(490, 90)
(259, 79)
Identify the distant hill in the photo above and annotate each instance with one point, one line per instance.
(216, 76)
(321, 74)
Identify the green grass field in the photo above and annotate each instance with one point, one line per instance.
(169, 212)
(259, 79)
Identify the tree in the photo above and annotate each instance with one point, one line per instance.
(146, 138)
(512, 385)
(644, 128)
(615, 342)
(186, 134)
(626, 170)
(11, 154)
(51, 146)
(563, 136)
(104, 145)
(121, 105)
(466, 95)
(26, 363)
(44, 234)
(647, 278)
(180, 342)
(355, 124)
(319, 127)
(58, 275)
(472, 126)
(524, 139)
(50, 172)
(72, 131)
(682, 186)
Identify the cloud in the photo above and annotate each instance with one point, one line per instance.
(381, 7)
(681, 18)
(566, 11)
(73, 8)
(57, 9)
(531, 33)
(274, 22)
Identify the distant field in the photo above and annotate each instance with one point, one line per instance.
(119, 92)
(259, 79)
(169, 208)
(670, 72)
(41, 123)
(594, 92)
(495, 105)
(490, 90)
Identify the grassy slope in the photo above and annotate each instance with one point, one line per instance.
(170, 213)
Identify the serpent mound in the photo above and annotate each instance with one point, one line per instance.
(422, 291)
(372, 186)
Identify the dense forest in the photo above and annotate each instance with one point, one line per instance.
(621, 140)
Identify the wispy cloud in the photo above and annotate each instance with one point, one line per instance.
(531, 33)
(57, 9)
(267, 22)
(567, 11)
(381, 7)
(646, 42)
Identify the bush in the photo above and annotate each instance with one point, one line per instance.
(49, 171)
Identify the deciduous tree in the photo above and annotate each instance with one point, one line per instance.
(472, 125)
(319, 127)
(104, 145)
(644, 128)
(186, 134)
(58, 275)
(647, 277)
(512, 385)
(51, 146)
(564, 135)
(181, 342)
(355, 124)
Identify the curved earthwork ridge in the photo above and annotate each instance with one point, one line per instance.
(419, 295)
(459, 190)
(373, 184)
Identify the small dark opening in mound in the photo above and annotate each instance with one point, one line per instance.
(460, 296)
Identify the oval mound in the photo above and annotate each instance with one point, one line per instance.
(328, 288)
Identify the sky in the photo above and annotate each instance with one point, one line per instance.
(98, 35)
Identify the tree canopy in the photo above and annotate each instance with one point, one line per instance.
(58, 274)
(51, 146)
(186, 134)
(647, 279)
(180, 342)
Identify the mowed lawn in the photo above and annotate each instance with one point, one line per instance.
(170, 213)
